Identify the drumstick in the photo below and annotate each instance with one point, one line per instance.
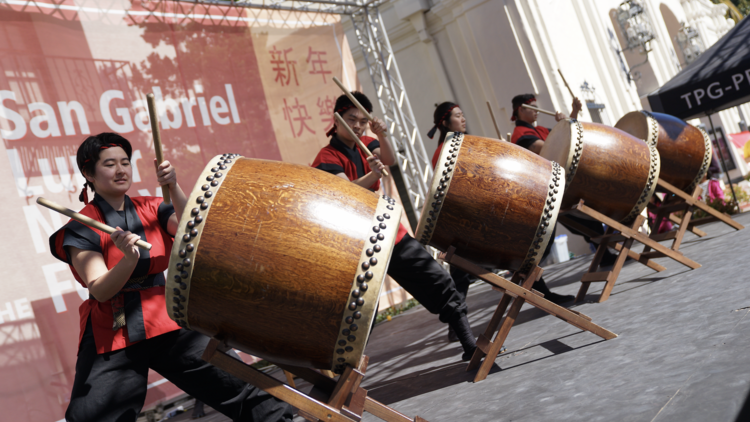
(157, 141)
(356, 138)
(494, 122)
(568, 86)
(351, 97)
(538, 109)
(86, 220)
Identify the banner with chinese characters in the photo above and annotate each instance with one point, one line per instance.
(225, 79)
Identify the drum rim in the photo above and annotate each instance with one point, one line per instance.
(185, 247)
(439, 186)
(547, 220)
(651, 182)
(386, 210)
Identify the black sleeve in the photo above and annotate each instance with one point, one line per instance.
(372, 146)
(526, 141)
(80, 236)
(165, 211)
(330, 168)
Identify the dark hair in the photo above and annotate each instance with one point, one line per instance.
(88, 155)
(439, 117)
(343, 103)
(518, 100)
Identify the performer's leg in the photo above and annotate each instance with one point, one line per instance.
(110, 386)
(540, 284)
(462, 280)
(180, 362)
(595, 226)
(420, 275)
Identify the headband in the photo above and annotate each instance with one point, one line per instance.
(515, 110)
(434, 129)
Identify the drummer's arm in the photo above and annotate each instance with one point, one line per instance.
(104, 284)
(536, 147)
(385, 151)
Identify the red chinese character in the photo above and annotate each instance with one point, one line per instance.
(302, 116)
(284, 68)
(326, 111)
(317, 64)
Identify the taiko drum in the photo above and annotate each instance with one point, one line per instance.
(281, 261)
(495, 202)
(684, 150)
(614, 172)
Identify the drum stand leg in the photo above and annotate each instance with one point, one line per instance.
(487, 348)
(615, 233)
(341, 401)
(691, 202)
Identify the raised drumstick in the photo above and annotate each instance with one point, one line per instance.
(157, 141)
(86, 220)
(494, 122)
(354, 135)
(353, 100)
(568, 86)
(538, 109)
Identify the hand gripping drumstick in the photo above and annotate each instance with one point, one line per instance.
(354, 135)
(538, 109)
(494, 122)
(157, 141)
(86, 220)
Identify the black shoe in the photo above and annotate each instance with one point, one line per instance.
(198, 411)
(462, 328)
(467, 355)
(559, 299)
(608, 260)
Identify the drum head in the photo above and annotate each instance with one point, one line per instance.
(558, 146)
(636, 124)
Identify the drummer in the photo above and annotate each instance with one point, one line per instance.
(411, 266)
(532, 137)
(125, 329)
(448, 117)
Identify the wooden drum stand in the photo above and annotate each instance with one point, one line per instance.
(680, 201)
(489, 349)
(618, 232)
(339, 401)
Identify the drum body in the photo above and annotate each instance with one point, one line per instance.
(281, 261)
(614, 172)
(684, 150)
(495, 202)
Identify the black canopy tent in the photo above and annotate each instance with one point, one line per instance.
(717, 80)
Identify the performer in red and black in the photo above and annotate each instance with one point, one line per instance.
(125, 329)
(532, 137)
(448, 117)
(411, 266)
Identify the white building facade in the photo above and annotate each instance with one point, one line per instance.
(478, 51)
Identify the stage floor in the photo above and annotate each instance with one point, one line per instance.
(682, 351)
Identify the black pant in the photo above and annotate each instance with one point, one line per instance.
(112, 386)
(420, 275)
(592, 225)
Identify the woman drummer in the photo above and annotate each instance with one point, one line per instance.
(125, 329)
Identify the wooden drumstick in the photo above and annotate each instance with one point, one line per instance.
(353, 100)
(494, 122)
(157, 141)
(538, 109)
(354, 135)
(568, 86)
(86, 220)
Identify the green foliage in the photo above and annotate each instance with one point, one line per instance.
(395, 310)
(728, 205)
(742, 5)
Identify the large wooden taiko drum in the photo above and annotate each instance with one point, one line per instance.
(684, 150)
(495, 202)
(281, 261)
(612, 171)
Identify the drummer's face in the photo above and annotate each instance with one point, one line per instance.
(356, 120)
(457, 121)
(528, 115)
(112, 172)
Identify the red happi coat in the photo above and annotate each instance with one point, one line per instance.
(146, 217)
